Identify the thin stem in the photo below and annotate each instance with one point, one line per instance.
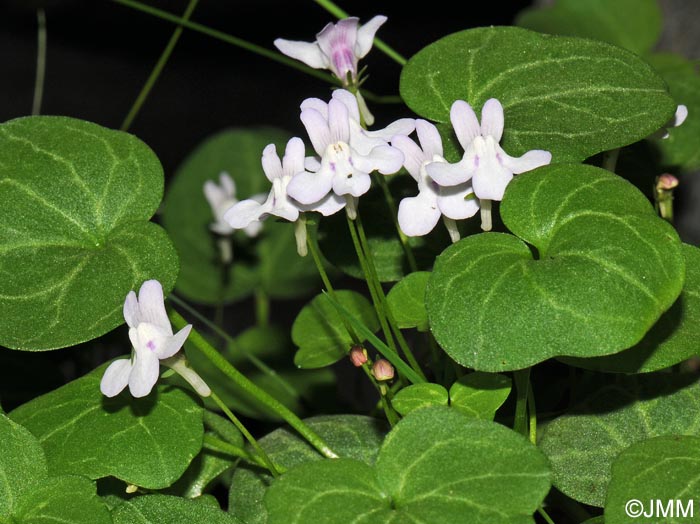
(532, 411)
(339, 13)
(262, 308)
(544, 515)
(381, 99)
(229, 39)
(610, 159)
(157, 69)
(40, 61)
(382, 299)
(264, 368)
(249, 437)
(522, 386)
(252, 389)
(212, 443)
(391, 204)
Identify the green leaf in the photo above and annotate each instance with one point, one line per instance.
(407, 301)
(480, 394)
(570, 96)
(223, 428)
(350, 436)
(161, 509)
(269, 261)
(22, 464)
(436, 465)
(319, 330)
(75, 234)
(599, 271)
(419, 396)
(389, 257)
(147, 442)
(581, 446)
(674, 337)
(632, 24)
(682, 147)
(663, 469)
(66, 498)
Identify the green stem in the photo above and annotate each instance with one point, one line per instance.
(339, 13)
(252, 389)
(532, 411)
(157, 69)
(544, 515)
(262, 308)
(610, 159)
(522, 386)
(382, 299)
(381, 99)
(40, 61)
(259, 364)
(249, 437)
(229, 39)
(217, 445)
(394, 216)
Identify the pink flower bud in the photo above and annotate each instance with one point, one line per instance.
(358, 356)
(383, 370)
(666, 182)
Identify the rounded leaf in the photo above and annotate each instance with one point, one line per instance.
(599, 271)
(159, 509)
(407, 301)
(75, 234)
(419, 396)
(571, 96)
(480, 394)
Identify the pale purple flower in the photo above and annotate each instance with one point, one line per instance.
(418, 215)
(279, 203)
(676, 121)
(347, 154)
(152, 339)
(221, 198)
(489, 168)
(338, 47)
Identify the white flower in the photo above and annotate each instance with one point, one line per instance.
(152, 339)
(347, 154)
(278, 203)
(338, 47)
(418, 215)
(221, 197)
(484, 162)
(676, 121)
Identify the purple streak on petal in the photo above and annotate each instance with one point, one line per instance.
(338, 43)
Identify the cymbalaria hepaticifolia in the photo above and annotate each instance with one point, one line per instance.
(304, 341)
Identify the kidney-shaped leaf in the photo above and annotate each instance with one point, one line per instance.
(600, 269)
(148, 442)
(571, 96)
(74, 234)
(582, 446)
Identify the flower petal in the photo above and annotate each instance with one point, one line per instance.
(492, 119)
(365, 35)
(307, 52)
(271, 162)
(529, 161)
(144, 373)
(317, 104)
(116, 377)
(680, 116)
(244, 212)
(317, 129)
(356, 183)
(338, 121)
(430, 139)
(464, 122)
(214, 194)
(327, 206)
(402, 126)
(490, 180)
(282, 205)
(152, 306)
(447, 174)
(312, 163)
(132, 314)
(293, 161)
(454, 204)
(309, 188)
(418, 215)
(174, 343)
(385, 159)
(349, 101)
(227, 184)
(337, 42)
(413, 156)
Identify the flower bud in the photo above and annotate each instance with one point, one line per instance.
(383, 370)
(666, 182)
(358, 356)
